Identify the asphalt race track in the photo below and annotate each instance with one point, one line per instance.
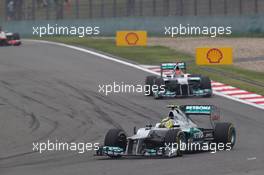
(51, 92)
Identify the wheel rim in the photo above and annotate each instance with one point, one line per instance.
(156, 94)
(182, 140)
(122, 140)
(233, 137)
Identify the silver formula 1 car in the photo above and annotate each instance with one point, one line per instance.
(194, 128)
(174, 82)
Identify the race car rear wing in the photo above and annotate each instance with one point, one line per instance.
(210, 111)
(198, 109)
(171, 66)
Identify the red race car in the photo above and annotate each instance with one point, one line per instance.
(13, 39)
(9, 39)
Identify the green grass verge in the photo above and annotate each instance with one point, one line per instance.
(143, 55)
(232, 75)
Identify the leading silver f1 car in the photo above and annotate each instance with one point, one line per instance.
(194, 128)
(174, 82)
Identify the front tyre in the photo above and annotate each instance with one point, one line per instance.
(116, 138)
(159, 83)
(173, 141)
(206, 84)
(149, 82)
(3, 42)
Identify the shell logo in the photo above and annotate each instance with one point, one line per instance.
(214, 55)
(132, 38)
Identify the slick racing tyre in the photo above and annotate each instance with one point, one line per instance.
(225, 133)
(16, 36)
(173, 140)
(149, 82)
(116, 138)
(158, 83)
(3, 42)
(206, 84)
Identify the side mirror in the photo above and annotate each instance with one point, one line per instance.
(148, 126)
(135, 130)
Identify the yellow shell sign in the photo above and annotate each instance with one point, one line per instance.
(214, 56)
(131, 38)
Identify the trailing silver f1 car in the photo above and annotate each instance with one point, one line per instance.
(174, 82)
(187, 128)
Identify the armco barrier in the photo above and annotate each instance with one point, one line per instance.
(154, 25)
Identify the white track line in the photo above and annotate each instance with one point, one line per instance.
(95, 54)
(246, 95)
(256, 100)
(140, 68)
(217, 84)
(223, 88)
(232, 92)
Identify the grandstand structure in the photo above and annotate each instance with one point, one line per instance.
(90, 9)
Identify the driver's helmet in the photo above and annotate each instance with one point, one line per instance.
(171, 115)
(178, 71)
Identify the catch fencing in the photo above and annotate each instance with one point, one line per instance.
(90, 9)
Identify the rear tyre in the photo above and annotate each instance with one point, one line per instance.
(149, 82)
(17, 44)
(116, 138)
(225, 133)
(3, 42)
(16, 36)
(206, 84)
(173, 140)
